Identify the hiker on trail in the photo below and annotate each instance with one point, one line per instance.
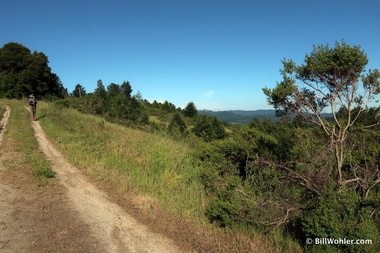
(33, 105)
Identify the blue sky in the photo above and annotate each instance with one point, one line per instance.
(217, 53)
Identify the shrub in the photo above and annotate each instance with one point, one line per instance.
(209, 128)
(177, 126)
(340, 215)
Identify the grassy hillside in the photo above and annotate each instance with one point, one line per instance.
(21, 135)
(2, 108)
(224, 195)
(156, 170)
(136, 161)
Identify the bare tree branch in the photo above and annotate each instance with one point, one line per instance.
(303, 180)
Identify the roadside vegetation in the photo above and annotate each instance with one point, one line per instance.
(130, 159)
(263, 187)
(160, 170)
(2, 108)
(20, 131)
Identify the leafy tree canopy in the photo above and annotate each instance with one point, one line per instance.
(126, 88)
(79, 91)
(23, 73)
(113, 89)
(100, 90)
(330, 79)
(190, 110)
(209, 128)
(177, 126)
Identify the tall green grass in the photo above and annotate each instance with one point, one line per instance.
(129, 159)
(20, 131)
(156, 168)
(2, 108)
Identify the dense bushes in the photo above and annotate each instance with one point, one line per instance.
(270, 176)
(340, 215)
(177, 126)
(209, 128)
(116, 104)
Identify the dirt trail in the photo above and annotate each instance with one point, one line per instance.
(115, 228)
(71, 216)
(35, 219)
(4, 121)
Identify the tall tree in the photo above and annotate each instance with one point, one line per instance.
(126, 89)
(79, 91)
(100, 90)
(167, 106)
(23, 72)
(209, 128)
(113, 89)
(190, 110)
(177, 126)
(330, 79)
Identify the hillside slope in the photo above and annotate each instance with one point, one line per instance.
(151, 174)
(72, 207)
(33, 218)
(117, 189)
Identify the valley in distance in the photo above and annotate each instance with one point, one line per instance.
(242, 116)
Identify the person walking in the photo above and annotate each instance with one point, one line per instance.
(32, 101)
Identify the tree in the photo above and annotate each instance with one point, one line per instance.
(219, 129)
(113, 89)
(167, 106)
(79, 91)
(126, 89)
(138, 96)
(177, 126)
(330, 79)
(190, 110)
(100, 90)
(23, 73)
(209, 128)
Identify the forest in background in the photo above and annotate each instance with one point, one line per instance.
(241, 116)
(308, 175)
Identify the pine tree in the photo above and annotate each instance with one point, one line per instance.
(100, 91)
(190, 110)
(177, 125)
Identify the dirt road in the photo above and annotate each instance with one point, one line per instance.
(70, 215)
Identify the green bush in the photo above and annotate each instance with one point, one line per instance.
(222, 209)
(62, 103)
(340, 215)
(209, 128)
(177, 126)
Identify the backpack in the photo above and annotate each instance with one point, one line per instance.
(32, 101)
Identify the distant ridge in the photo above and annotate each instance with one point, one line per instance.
(245, 117)
(242, 116)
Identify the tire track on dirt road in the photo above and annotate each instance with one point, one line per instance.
(4, 121)
(35, 219)
(4, 189)
(115, 229)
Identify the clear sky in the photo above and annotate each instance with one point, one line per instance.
(217, 53)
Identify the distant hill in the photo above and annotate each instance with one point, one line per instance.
(241, 116)
(245, 117)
